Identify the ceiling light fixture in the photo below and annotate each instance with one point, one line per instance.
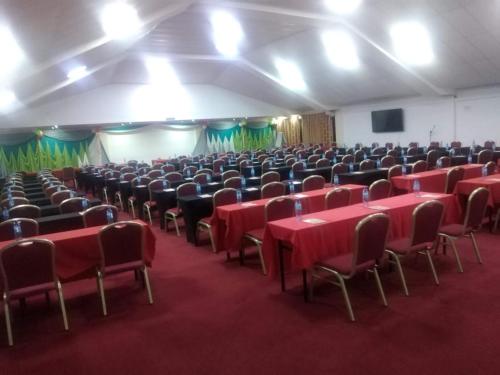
(290, 75)
(119, 20)
(161, 72)
(412, 43)
(227, 33)
(12, 54)
(77, 73)
(341, 50)
(343, 6)
(7, 99)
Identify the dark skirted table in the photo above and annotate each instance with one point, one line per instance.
(53, 209)
(363, 177)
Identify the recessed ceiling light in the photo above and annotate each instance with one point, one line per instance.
(77, 73)
(343, 6)
(12, 54)
(161, 72)
(341, 50)
(7, 99)
(120, 20)
(227, 33)
(412, 43)
(290, 75)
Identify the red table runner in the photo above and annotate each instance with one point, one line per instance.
(492, 183)
(77, 251)
(230, 222)
(433, 181)
(315, 240)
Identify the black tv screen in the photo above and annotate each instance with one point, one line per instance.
(387, 121)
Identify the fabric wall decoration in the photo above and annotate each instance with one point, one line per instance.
(291, 127)
(233, 136)
(317, 128)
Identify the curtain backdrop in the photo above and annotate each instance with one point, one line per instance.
(317, 128)
(291, 127)
(232, 136)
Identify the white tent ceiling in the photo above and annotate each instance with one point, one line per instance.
(57, 35)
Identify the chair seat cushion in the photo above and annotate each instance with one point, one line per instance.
(132, 198)
(453, 230)
(258, 234)
(150, 203)
(175, 211)
(343, 264)
(206, 220)
(403, 246)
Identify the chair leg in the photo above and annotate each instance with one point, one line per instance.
(8, 324)
(212, 241)
(311, 288)
(476, 248)
(148, 213)
(262, 262)
(177, 227)
(346, 297)
(400, 272)
(457, 256)
(105, 193)
(120, 202)
(379, 286)
(431, 264)
(100, 288)
(497, 219)
(148, 284)
(63, 306)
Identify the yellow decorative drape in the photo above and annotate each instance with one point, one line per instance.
(291, 127)
(317, 128)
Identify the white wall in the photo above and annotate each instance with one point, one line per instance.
(149, 144)
(471, 115)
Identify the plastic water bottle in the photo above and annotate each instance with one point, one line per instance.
(58, 187)
(452, 152)
(9, 195)
(416, 187)
(18, 233)
(334, 159)
(304, 164)
(336, 180)
(379, 163)
(85, 203)
(165, 184)
(425, 149)
(366, 196)
(198, 189)
(469, 158)
(252, 172)
(9, 190)
(188, 172)
(109, 216)
(238, 196)
(484, 171)
(221, 168)
(439, 164)
(292, 187)
(364, 156)
(243, 182)
(71, 194)
(11, 201)
(403, 169)
(201, 166)
(209, 177)
(405, 160)
(351, 167)
(298, 209)
(5, 213)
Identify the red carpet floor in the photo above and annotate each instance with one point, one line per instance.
(216, 317)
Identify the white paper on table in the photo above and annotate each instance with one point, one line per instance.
(314, 221)
(205, 196)
(252, 189)
(494, 179)
(248, 204)
(430, 195)
(301, 196)
(379, 207)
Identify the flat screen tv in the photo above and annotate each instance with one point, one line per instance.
(387, 121)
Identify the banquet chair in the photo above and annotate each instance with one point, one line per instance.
(172, 214)
(339, 168)
(233, 182)
(413, 145)
(229, 174)
(201, 178)
(276, 209)
(484, 156)
(266, 165)
(97, 215)
(337, 198)
(313, 158)
(432, 158)
(108, 176)
(370, 237)
(14, 193)
(323, 163)
(314, 182)
(28, 211)
(426, 219)
(269, 177)
(444, 162)
(260, 158)
(359, 156)
(301, 154)
(367, 165)
(121, 247)
(474, 214)
(297, 166)
(155, 173)
(27, 267)
(272, 189)
(412, 151)
(15, 201)
(29, 228)
(68, 175)
(205, 171)
(394, 153)
(189, 171)
(245, 163)
(174, 177)
(456, 144)
(12, 188)
(348, 159)
(150, 204)
(290, 161)
(434, 145)
(379, 189)
(156, 166)
(59, 196)
(127, 170)
(329, 154)
(124, 177)
(452, 177)
(138, 181)
(220, 198)
(491, 168)
(489, 145)
(54, 189)
(143, 171)
(389, 146)
(167, 168)
(387, 161)
(77, 204)
(419, 166)
(378, 151)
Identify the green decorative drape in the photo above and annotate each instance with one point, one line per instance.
(38, 152)
(229, 136)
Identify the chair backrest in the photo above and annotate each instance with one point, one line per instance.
(370, 237)
(413, 145)
(224, 196)
(290, 161)
(29, 228)
(298, 166)
(245, 163)
(359, 156)
(141, 180)
(396, 170)
(476, 208)
(127, 170)
(205, 171)
(485, 156)
(201, 178)
(366, 165)
(229, 174)
(489, 144)
(15, 201)
(112, 174)
(378, 151)
(143, 171)
(323, 163)
(188, 188)
(68, 173)
(218, 165)
(121, 242)
(13, 188)
(60, 196)
(314, 182)
(339, 197)
(380, 189)
(25, 210)
(269, 177)
(389, 145)
(348, 159)
(155, 173)
(339, 168)
(329, 154)
(73, 205)
(97, 215)
(233, 182)
(167, 168)
(432, 157)
(412, 151)
(456, 144)
(387, 161)
(444, 162)
(279, 208)
(452, 177)
(313, 158)
(174, 177)
(189, 170)
(272, 189)
(393, 153)
(27, 263)
(419, 166)
(491, 168)
(14, 193)
(53, 189)
(427, 218)
(128, 176)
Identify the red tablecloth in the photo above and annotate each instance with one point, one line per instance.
(492, 183)
(158, 161)
(232, 221)
(312, 242)
(433, 181)
(77, 251)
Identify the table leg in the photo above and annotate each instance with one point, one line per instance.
(304, 285)
(282, 267)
